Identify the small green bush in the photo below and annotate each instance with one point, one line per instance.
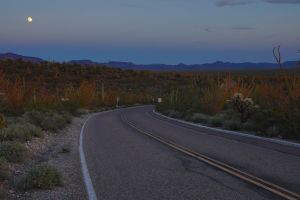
(272, 131)
(7, 135)
(250, 126)
(67, 117)
(175, 114)
(48, 120)
(53, 122)
(20, 131)
(232, 125)
(35, 117)
(165, 112)
(70, 106)
(13, 151)
(187, 117)
(41, 177)
(216, 121)
(82, 111)
(65, 149)
(4, 171)
(199, 118)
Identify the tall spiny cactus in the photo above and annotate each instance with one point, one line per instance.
(245, 106)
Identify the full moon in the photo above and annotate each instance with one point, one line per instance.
(29, 19)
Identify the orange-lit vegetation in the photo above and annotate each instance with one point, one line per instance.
(55, 86)
(68, 87)
(277, 96)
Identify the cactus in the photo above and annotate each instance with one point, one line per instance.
(245, 106)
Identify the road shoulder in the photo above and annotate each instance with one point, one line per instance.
(283, 146)
(61, 151)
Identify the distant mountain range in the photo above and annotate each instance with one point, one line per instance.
(13, 56)
(219, 65)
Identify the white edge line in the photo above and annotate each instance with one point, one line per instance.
(287, 143)
(86, 175)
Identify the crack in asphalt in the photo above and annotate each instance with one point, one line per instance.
(190, 166)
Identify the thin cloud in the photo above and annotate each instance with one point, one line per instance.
(270, 36)
(242, 28)
(209, 30)
(235, 28)
(283, 1)
(223, 3)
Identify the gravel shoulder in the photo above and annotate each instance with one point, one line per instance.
(61, 151)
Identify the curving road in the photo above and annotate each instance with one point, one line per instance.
(124, 163)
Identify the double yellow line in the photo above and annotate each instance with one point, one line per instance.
(275, 189)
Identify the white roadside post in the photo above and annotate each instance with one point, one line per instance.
(118, 99)
(159, 100)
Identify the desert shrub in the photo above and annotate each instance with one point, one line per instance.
(2, 121)
(16, 96)
(199, 118)
(165, 112)
(264, 119)
(67, 117)
(6, 135)
(20, 131)
(82, 111)
(4, 170)
(272, 123)
(65, 149)
(13, 151)
(213, 100)
(232, 125)
(33, 116)
(187, 117)
(272, 131)
(86, 93)
(48, 120)
(68, 105)
(41, 177)
(175, 114)
(216, 121)
(53, 122)
(249, 126)
(245, 106)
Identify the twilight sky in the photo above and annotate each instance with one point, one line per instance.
(156, 31)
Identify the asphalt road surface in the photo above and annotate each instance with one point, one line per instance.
(124, 164)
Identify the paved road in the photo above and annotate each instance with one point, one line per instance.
(125, 164)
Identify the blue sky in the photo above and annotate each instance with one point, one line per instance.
(156, 31)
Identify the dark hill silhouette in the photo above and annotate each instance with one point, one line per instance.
(12, 56)
(83, 62)
(218, 65)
